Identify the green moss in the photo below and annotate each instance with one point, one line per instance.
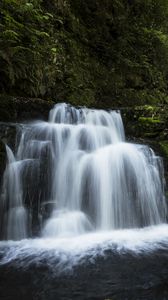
(149, 120)
(146, 107)
(149, 107)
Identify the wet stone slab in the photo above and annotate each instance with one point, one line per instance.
(116, 276)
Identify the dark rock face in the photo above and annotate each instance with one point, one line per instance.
(2, 160)
(19, 109)
(8, 135)
(148, 125)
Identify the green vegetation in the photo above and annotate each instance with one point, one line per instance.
(92, 52)
(164, 147)
(148, 120)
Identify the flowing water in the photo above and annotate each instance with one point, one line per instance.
(74, 189)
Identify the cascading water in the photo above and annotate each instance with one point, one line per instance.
(15, 216)
(76, 174)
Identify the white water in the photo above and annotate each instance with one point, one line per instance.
(15, 226)
(81, 181)
(62, 254)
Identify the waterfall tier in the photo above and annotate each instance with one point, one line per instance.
(75, 173)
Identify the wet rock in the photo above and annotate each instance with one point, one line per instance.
(8, 135)
(148, 125)
(2, 160)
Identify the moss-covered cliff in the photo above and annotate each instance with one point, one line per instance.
(92, 52)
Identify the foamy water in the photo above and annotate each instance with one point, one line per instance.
(66, 252)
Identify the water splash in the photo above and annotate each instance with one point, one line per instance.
(62, 254)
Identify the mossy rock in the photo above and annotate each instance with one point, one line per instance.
(149, 120)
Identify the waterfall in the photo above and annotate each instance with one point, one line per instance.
(15, 226)
(76, 173)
